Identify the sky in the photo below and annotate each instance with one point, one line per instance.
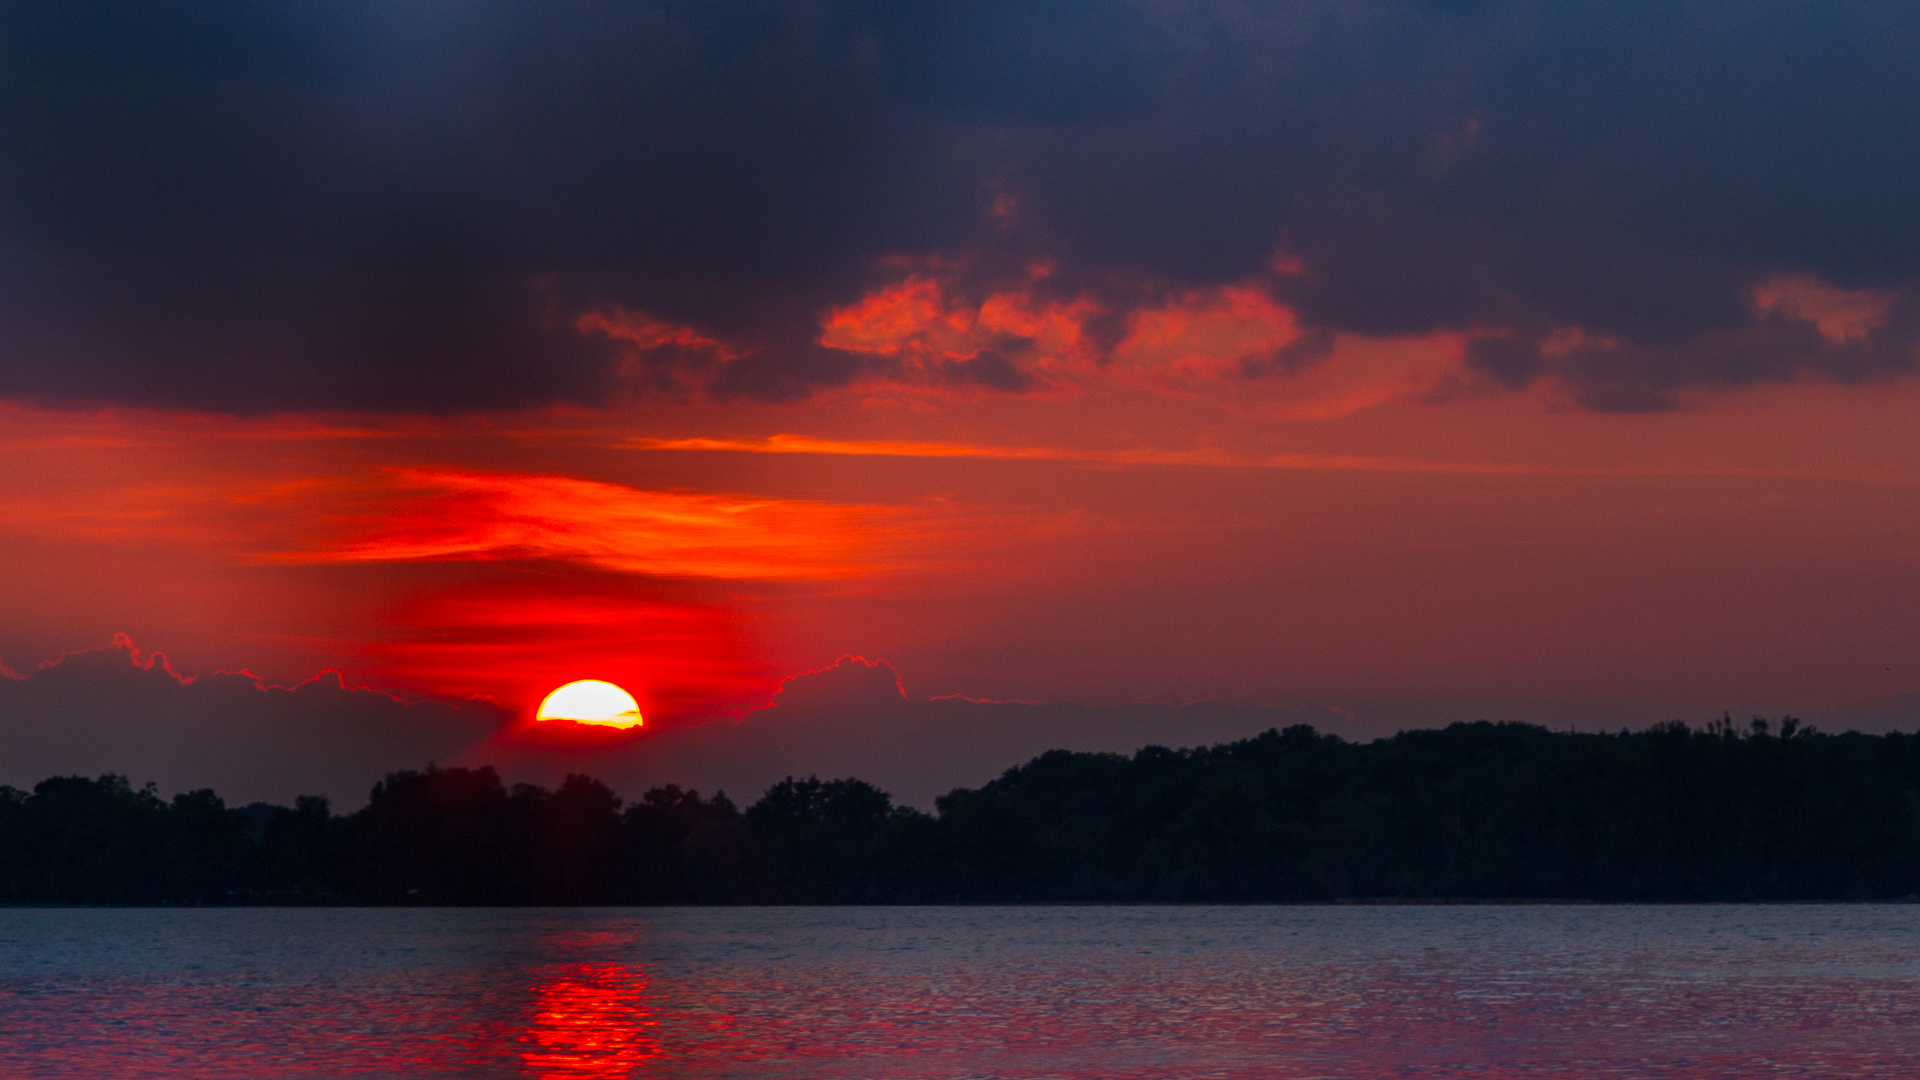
(900, 389)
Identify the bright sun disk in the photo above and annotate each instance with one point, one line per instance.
(591, 701)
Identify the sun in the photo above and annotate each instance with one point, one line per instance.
(590, 701)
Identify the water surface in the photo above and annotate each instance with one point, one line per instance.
(1271, 992)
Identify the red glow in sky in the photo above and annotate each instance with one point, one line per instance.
(1367, 368)
(1496, 555)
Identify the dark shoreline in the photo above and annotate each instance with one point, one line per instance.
(1047, 904)
(1480, 814)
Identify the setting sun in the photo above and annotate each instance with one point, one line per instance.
(591, 701)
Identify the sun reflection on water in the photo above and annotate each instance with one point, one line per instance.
(1548, 993)
(590, 1022)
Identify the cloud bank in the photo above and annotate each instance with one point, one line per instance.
(855, 719)
(117, 710)
(427, 207)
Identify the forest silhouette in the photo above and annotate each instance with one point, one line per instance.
(1471, 812)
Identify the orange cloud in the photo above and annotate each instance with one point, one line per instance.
(1239, 345)
(1841, 315)
(1362, 372)
(1010, 340)
(1235, 344)
(447, 515)
(658, 355)
(643, 331)
(1203, 337)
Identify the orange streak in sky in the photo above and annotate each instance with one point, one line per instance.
(467, 516)
(1304, 462)
(801, 444)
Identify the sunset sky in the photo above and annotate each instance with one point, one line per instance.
(1178, 369)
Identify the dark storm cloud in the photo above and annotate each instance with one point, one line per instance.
(269, 204)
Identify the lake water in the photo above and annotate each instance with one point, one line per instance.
(1107, 992)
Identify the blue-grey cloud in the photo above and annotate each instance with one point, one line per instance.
(404, 205)
(116, 710)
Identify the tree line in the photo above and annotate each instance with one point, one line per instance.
(1472, 811)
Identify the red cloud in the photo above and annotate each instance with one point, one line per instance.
(1204, 337)
(441, 515)
(1236, 344)
(1841, 315)
(929, 339)
(659, 355)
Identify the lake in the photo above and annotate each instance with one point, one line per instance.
(1028, 992)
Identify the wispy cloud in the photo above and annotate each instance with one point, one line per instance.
(1841, 315)
(1207, 458)
(443, 515)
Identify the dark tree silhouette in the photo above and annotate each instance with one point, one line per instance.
(1760, 811)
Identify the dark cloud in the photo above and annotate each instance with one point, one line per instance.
(113, 710)
(255, 205)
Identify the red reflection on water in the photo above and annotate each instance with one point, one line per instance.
(590, 1022)
(1017, 994)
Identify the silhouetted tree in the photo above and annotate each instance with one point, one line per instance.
(1760, 811)
(679, 849)
(578, 844)
(82, 841)
(443, 836)
(299, 853)
(207, 849)
(820, 841)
